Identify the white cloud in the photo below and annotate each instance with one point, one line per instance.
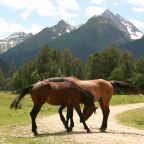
(100, 2)
(138, 9)
(137, 23)
(115, 3)
(3, 25)
(68, 4)
(97, 2)
(138, 5)
(94, 10)
(57, 8)
(136, 2)
(34, 28)
(6, 27)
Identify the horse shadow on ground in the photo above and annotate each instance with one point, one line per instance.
(94, 131)
(62, 133)
(124, 133)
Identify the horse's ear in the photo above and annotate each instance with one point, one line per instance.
(40, 77)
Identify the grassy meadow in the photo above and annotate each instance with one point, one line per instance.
(10, 120)
(134, 118)
(19, 116)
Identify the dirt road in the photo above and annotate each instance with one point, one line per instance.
(116, 133)
(53, 131)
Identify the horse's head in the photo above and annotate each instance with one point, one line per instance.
(87, 112)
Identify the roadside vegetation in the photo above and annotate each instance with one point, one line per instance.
(21, 116)
(133, 118)
(12, 122)
(111, 63)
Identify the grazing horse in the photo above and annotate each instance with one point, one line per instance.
(64, 93)
(102, 91)
(69, 115)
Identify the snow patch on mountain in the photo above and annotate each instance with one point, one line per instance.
(12, 40)
(123, 24)
(62, 27)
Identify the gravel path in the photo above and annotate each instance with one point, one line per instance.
(52, 131)
(52, 128)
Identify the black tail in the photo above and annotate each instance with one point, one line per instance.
(23, 92)
(122, 87)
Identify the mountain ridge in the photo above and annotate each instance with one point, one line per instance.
(97, 33)
(12, 40)
(17, 37)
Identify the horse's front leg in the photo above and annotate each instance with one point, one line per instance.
(82, 118)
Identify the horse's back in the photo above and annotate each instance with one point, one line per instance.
(97, 87)
(105, 85)
(56, 93)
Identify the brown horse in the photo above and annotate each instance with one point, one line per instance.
(63, 93)
(102, 92)
(69, 116)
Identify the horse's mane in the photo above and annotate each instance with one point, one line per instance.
(88, 99)
(56, 79)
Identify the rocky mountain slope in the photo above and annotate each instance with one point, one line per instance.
(97, 33)
(13, 40)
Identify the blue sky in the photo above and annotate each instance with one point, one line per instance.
(34, 15)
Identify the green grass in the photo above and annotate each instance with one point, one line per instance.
(19, 116)
(10, 120)
(134, 118)
(126, 99)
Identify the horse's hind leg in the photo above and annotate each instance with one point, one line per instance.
(62, 117)
(33, 115)
(69, 117)
(82, 118)
(105, 111)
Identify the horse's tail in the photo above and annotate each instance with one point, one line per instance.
(125, 87)
(23, 92)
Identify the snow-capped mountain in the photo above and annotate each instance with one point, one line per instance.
(123, 24)
(12, 40)
(51, 33)
(62, 27)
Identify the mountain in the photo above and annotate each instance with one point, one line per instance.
(3, 67)
(30, 47)
(62, 27)
(124, 25)
(97, 33)
(13, 40)
(136, 47)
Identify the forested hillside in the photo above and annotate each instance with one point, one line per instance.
(111, 63)
(136, 47)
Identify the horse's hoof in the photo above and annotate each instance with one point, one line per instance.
(69, 130)
(102, 130)
(88, 131)
(36, 133)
